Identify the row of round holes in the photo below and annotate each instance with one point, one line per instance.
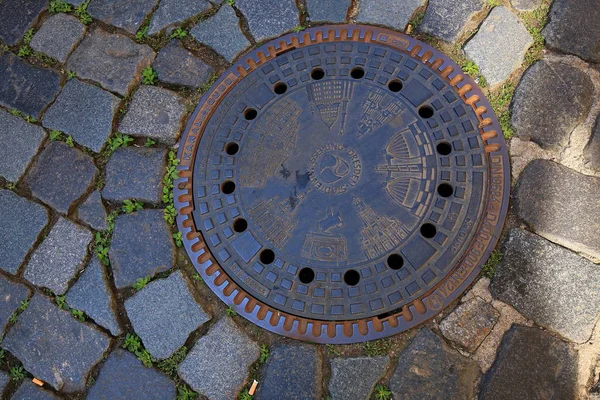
(351, 277)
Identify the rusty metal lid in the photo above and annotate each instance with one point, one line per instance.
(341, 184)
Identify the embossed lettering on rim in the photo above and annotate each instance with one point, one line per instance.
(341, 184)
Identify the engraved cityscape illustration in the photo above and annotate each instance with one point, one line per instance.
(349, 122)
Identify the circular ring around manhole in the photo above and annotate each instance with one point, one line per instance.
(341, 184)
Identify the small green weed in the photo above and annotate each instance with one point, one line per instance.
(493, 3)
(132, 342)
(417, 18)
(142, 33)
(2, 354)
(24, 51)
(377, 347)
(14, 318)
(61, 302)
(245, 395)
(264, 353)
(16, 112)
(80, 315)
(82, 14)
(69, 141)
(23, 306)
(197, 277)
(130, 206)
(71, 75)
(146, 358)
(178, 239)
(149, 76)
(119, 140)
(17, 373)
(11, 185)
(231, 2)
(141, 283)
(28, 36)
(185, 393)
(31, 120)
(169, 365)
(101, 248)
(57, 6)
(489, 269)
(500, 102)
(382, 392)
(208, 84)
(170, 213)
(56, 135)
(298, 28)
(534, 22)
(470, 68)
(230, 312)
(149, 142)
(179, 33)
(332, 350)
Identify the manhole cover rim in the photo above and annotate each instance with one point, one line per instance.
(350, 331)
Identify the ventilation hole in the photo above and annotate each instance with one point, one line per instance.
(307, 275)
(444, 148)
(232, 148)
(228, 187)
(426, 112)
(240, 225)
(357, 73)
(267, 256)
(280, 88)
(428, 231)
(395, 261)
(395, 86)
(351, 277)
(445, 190)
(250, 114)
(317, 74)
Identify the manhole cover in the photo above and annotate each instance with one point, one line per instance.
(342, 184)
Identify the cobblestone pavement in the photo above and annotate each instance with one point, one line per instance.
(98, 299)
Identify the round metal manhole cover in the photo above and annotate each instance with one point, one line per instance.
(342, 184)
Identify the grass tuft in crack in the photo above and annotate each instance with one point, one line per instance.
(141, 283)
(134, 344)
(500, 102)
(168, 185)
(489, 269)
(149, 76)
(534, 22)
(382, 392)
(130, 206)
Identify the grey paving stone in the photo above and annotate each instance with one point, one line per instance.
(554, 287)
(135, 173)
(526, 5)
(535, 99)
(446, 18)
(91, 293)
(24, 87)
(60, 256)
(11, 296)
(328, 10)
(427, 369)
(17, 16)
(54, 346)
(222, 33)
(170, 12)
(22, 221)
(58, 36)
(177, 66)
(592, 150)
(4, 379)
(141, 246)
(269, 18)
(499, 46)
(127, 15)
(60, 175)
(531, 364)
(393, 13)
(154, 112)
(113, 60)
(93, 213)
(560, 205)
(85, 112)
(292, 371)
(164, 313)
(470, 323)
(355, 378)
(20, 143)
(30, 391)
(123, 376)
(573, 28)
(217, 365)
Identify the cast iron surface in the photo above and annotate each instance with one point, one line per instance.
(341, 184)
